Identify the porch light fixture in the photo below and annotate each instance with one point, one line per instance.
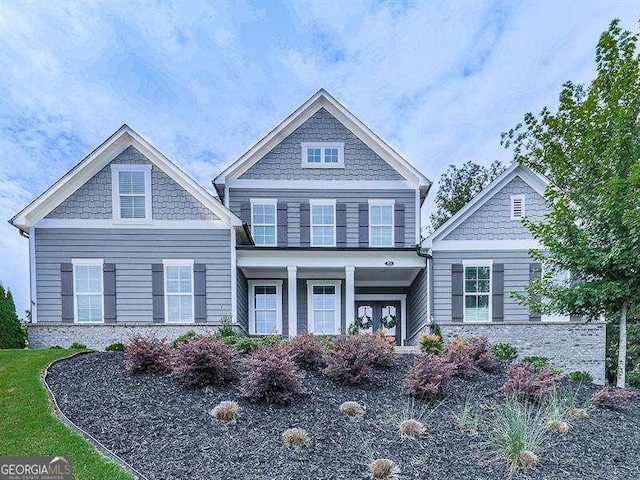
(389, 263)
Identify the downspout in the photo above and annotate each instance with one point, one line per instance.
(427, 257)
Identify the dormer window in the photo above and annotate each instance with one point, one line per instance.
(517, 207)
(131, 192)
(322, 155)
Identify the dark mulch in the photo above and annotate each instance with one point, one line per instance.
(165, 431)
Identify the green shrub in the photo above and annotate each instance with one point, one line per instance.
(244, 344)
(226, 329)
(430, 344)
(633, 379)
(437, 330)
(185, 337)
(536, 362)
(581, 376)
(56, 347)
(556, 371)
(115, 347)
(504, 351)
(13, 333)
(78, 346)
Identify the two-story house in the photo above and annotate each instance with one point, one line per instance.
(315, 227)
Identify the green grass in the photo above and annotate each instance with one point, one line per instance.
(28, 426)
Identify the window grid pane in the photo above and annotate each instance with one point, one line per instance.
(263, 225)
(477, 286)
(330, 155)
(131, 188)
(179, 291)
(266, 309)
(88, 292)
(314, 155)
(324, 309)
(323, 225)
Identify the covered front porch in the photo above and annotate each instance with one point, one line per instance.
(325, 292)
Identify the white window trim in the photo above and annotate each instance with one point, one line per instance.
(92, 262)
(384, 201)
(115, 191)
(476, 263)
(252, 303)
(181, 262)
(338, 317)
(554, 317)
(266, 201)
(322, 146)
(322, 201)
(522, 202)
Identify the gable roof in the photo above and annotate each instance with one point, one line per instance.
(115, 144)
(322, 99)
(531, 178)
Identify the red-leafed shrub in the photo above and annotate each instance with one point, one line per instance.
(350, 359)
(428, 376)
(201, 362)
(146, 354)
(483, 357)
(271, 376)
(308, 351)
(459, 353)
(526, 382)
(611, 398)
(380, 350)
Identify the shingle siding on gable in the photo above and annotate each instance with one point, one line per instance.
(284, 161)
(169, 200)
(492, 221)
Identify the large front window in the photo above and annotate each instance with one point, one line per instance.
(179, 291)
(265, 308)
(324, 308)
(477, 293)
(263, 223)
(87, 288)
(380, 224)
(323, 224)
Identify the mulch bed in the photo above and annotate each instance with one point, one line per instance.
(165, 431)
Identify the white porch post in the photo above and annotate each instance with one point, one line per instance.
(292, 291)
(350, 296)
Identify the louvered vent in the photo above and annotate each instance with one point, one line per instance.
(517, 207)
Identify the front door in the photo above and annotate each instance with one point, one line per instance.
(375, 315)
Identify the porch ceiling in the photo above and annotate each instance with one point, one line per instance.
(364, 276)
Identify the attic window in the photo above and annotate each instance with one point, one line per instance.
(517, 207)
(131, 192)
(322, 155)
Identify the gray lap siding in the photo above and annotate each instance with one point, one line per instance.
(133, 251)
(352, 199)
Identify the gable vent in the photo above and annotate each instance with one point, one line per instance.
(517, 207)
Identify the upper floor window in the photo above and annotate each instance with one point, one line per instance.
(322, 155)
(263, 221)
(88, 290)
(323, 223)
(381, 223)
(131, 187)
(517, 207)
(178, 281)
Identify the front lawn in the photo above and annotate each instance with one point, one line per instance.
(28, 426)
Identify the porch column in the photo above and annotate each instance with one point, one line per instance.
(292, 291)
(350, 296)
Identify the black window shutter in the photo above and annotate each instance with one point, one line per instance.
(109, 290)
(245, 213)
(66, 292)
(341, 225)
(457, 292)
(282, 224)
(363, 221)
(497, 292)
(535, 273)
(399, 224)
(305, 225)
(157, 292)
(200, 291)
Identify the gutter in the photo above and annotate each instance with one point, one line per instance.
(428, 265)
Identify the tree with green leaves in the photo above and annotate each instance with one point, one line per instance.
(12, 331)
(458, 185)
(590, 152)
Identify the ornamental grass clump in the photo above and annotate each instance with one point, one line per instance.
(352, 409)
(466, 417)
(146, 354)
(558, 411)
(428, 376)
(271, 376)
(295, 437)
(525, 382)
(412, 428)
(384, 469)
(308, 351)
(202, 361)
(226, 411)
(611, 398)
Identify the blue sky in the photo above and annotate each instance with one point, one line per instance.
(203, 81)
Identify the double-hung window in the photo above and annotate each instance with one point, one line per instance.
(264, 221)
(324, 307)
(323, 223)
(265, 311)
(88, 290)
(131, 187)
(559, 278)
(178, 291)
(381, 223)
(322, 155)
(477, 291)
